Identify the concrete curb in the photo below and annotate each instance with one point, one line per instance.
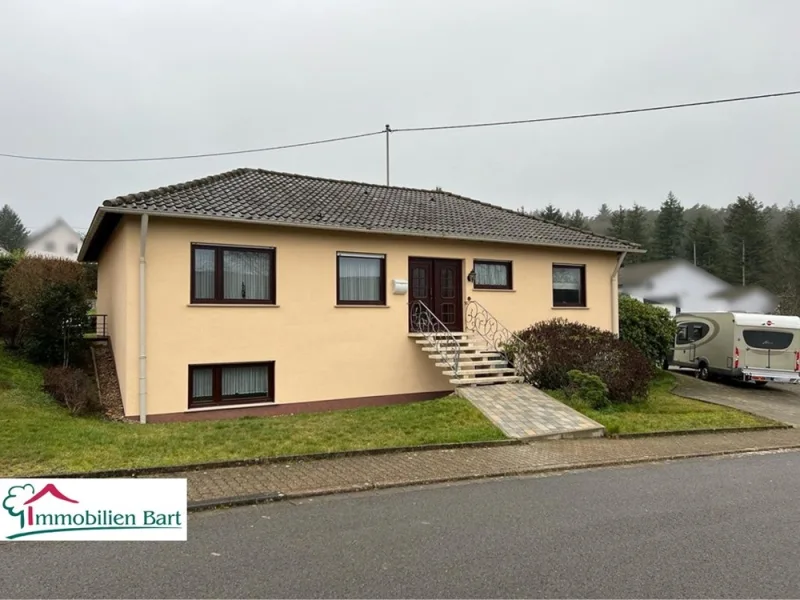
(223, 464)
(623, 436)
(202, 505)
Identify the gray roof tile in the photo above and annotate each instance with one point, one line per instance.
(273, 197)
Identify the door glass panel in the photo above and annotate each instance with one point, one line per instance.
(419, 282)
(448, 313)
(448, 283)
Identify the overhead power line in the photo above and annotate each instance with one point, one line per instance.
(598, 114)
(388, 131)
(189, 156)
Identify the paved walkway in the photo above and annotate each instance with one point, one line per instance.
(780, 402)
(521, 411)
(407, 468)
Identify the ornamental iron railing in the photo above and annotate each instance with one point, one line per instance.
(497, 336)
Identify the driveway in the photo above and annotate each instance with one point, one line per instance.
(780, 402)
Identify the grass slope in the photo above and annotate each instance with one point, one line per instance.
(39, 437)
(664, 411)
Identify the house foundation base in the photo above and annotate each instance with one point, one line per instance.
(274, 410)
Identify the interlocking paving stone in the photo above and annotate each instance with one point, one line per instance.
(518, 409)
(339, 474)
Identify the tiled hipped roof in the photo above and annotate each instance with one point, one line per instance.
(284, 198)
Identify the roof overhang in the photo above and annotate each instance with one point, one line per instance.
(106, 219)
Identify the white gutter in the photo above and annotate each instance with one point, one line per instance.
(615, 295)
(142, 323)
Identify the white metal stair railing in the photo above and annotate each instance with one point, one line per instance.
(464, 357)
(438, 339)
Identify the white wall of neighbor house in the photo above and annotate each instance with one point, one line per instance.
(694, 290)
(672, 308)
(59, 242)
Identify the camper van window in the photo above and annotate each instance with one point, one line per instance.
(698, 332)
(767, 340)
(682, 337)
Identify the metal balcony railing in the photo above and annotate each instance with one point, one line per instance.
(96, 326)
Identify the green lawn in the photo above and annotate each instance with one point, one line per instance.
(664, 411)
(39, 437)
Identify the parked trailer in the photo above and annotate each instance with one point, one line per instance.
(743, 346)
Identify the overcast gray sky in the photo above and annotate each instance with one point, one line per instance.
(120, 78)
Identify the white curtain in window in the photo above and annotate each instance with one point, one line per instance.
(244, 381)
(202, 383)
(359, 279)
(491, 274)
(246, 275)
(203, 273)
(566, 279)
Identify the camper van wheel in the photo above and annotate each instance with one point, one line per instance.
(702, 372)
(760, 383)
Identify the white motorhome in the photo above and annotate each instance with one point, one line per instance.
(745, 346)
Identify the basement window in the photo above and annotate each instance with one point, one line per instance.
(240, 383)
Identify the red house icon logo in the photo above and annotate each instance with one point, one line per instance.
(22, 497)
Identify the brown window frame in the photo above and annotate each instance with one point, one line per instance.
(582, 301)
(216, 386)
(219, 275)
(481, 286)
(345, 254)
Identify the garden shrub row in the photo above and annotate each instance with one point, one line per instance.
(650, 328)
(72, 388)
(43, 315)
(551, 349)
(593, 364)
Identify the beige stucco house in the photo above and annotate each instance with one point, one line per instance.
(257, 292)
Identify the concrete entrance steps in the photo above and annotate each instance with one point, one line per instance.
(484, 377)
(476, 363)
(522, 411)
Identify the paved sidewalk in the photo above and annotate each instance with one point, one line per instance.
(407, 468)
(522, 411)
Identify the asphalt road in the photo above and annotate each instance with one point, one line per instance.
(702, 528)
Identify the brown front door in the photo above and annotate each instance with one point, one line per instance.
(437, 283)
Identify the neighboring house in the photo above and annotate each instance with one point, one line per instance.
(57, 240)
(680, 286)
(273, 292)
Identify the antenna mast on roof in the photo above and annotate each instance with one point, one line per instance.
(388, 131)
